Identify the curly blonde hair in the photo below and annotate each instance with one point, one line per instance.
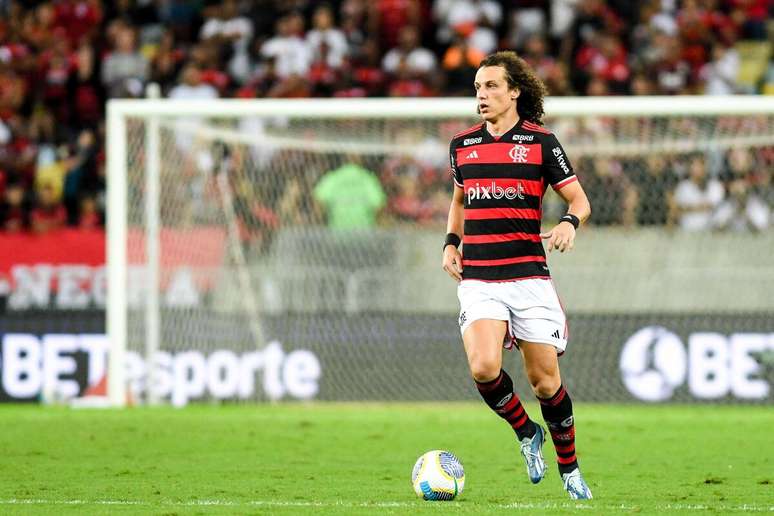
(520, 76)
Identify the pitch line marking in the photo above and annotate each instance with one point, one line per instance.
(382, 505)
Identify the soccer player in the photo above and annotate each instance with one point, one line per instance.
(501, 170)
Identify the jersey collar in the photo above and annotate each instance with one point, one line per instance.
(506, 136)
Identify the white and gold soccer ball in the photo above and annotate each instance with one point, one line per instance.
(438, 475)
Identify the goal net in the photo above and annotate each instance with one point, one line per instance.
(266, 250)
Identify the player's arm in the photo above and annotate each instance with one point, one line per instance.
(452, 259)
(562, 236)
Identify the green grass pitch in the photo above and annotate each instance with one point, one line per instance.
(357, 459)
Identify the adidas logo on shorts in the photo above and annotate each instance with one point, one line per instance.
(556, 334)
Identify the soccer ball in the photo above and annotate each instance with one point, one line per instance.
(438, 475)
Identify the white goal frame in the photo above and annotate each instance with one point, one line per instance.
(154, 111)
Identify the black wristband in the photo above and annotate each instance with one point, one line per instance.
(572, 219)
(452, 239)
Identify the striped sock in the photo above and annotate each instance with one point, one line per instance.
(499, 395)
(557, 412)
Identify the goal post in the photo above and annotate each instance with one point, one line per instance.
(214, 229)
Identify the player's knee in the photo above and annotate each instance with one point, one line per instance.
(544, 385)
(484, 370)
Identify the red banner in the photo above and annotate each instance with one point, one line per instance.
(66, 246)
(66, 269)
(195, 248)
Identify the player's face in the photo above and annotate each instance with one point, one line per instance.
(493, 94)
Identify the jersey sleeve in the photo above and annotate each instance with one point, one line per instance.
(453, 164)
(557, 168)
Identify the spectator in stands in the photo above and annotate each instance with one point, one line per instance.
(180, 16)
(80, 174)
(167, 61)
(655, 182)
(329, 51)
(697, 197)
(642, 84)
(325, 41)
(354, 25)
(39, 26)
(672, 71)
(604, 57)
(388, 18)
(230, 32)
(719, 75)
(746, 206)
(418, 60)
(52, 165)
(367, 77)
(615, 198)
(89, 216)
(647, 37)
(351, 196)
(751, 16)
(289, 58)
(206, 56)
(460, 63)
(592, 17)
(474, 21)
(693, 25)
(547, 68)
(527, 19)
(18, 152)
(14, 209)
(191, 87)
(48, 214)
(412, 66)
(125, 70)
(55, 71)
(294, 207)
(407, 180)
(79, 18)
(84, 90)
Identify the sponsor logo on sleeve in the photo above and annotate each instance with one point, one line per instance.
(560, 159)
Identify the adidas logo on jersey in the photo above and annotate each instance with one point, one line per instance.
(472, 155)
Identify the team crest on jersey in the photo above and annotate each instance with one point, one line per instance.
(519, 153)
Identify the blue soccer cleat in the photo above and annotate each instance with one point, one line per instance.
(531, 450)
(576, 486)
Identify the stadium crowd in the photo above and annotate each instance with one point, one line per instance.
(60, 60)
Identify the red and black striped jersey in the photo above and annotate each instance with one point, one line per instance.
(503, 180)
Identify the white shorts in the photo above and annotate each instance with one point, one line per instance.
(531, 307)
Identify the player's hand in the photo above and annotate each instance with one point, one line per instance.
(561, 237)
(452, 262)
